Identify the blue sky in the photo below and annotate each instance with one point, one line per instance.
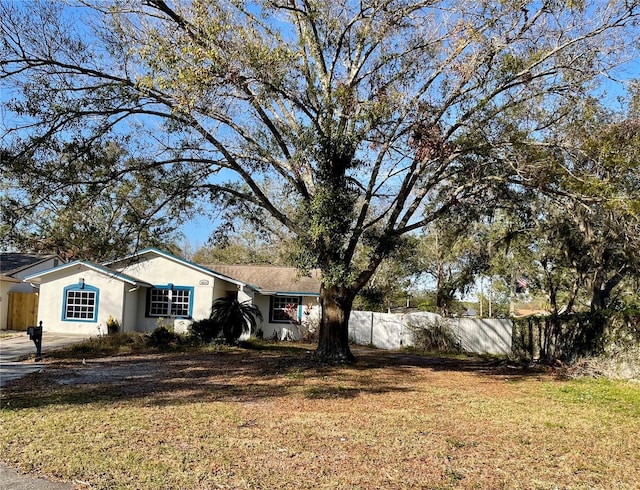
(198, 230)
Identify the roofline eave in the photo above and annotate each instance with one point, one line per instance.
(36, 278)
(188, 263)
(288, 293)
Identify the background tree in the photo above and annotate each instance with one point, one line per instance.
(66, 206)
(393, 280)
(600, 233)
(351, 124)
(577, 242)
(454, 252)
(241, 243)
(582, 237)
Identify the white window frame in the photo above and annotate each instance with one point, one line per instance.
(170, 301)
(80, 303)
(277, 306)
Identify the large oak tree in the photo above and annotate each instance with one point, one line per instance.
(351, 123)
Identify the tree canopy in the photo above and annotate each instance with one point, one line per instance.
(349, 123)
(66, 205)
(583, 239)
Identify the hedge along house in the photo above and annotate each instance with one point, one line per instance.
(141, 291)
(152, 288)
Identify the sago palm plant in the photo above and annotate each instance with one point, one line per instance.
(234, 317)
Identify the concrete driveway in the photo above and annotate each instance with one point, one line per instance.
(10, 479)
(16, 345)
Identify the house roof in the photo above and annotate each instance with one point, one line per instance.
(270, 280)
(12, 263)
(8, 278)
(220, 275)
(98, 268)
(273, 280)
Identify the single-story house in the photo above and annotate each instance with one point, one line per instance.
(280, 290)
(152, 288)
(18, 299)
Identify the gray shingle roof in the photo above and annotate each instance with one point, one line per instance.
(271, 279)
(10, 263)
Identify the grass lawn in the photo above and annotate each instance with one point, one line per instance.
(272, 418)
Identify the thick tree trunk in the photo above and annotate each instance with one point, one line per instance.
(601, 289)
(333, 337)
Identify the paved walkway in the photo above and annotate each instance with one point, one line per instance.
(17, 345)
(10, 479)
(14, 346)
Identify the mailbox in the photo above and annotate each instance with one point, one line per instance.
(35, 334)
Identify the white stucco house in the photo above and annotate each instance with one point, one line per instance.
(152, 287)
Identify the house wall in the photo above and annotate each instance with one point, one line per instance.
(220, 290)
(42, 266)
(161, 271)
(246, 295)
(283, 330)
(130, 305)
(51, 302)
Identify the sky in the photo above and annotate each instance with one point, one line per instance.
(197, 231)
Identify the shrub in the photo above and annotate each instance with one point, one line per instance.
(234, 318)
(623, 364)
(111, 345)
(162, 338)
(575, 337)
(205, 330)
(113, 326)
(435, 335)
(229, 319)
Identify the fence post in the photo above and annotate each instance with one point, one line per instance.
(371, 334)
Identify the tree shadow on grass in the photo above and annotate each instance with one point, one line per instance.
(179, 378)
(237, 376)
(485, 366)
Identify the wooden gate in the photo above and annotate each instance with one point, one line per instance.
(23, 310)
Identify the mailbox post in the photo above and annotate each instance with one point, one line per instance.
(35, 334)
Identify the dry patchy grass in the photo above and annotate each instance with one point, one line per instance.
(276, 419)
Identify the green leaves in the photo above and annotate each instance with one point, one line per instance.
(234, 318)
(349, 123)
(94, 203)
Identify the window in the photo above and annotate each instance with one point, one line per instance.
(279, 307)
(80, 303)
(170, 301)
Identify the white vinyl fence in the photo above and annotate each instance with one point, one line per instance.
(391, 331)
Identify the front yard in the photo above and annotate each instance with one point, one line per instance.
(272, 418)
